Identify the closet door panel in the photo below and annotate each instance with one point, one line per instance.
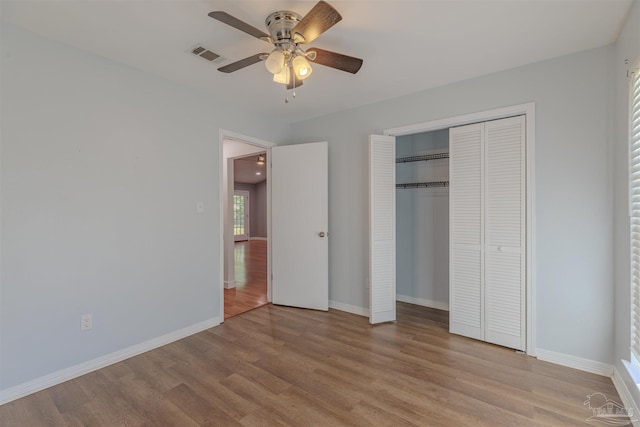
(382, 229)
(466, 293)
(465, 230)
(504, 182)
(503, 296)
(505, 231)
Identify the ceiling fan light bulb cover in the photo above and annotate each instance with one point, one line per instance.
(275, 61)
(301, 67)
(283, 76)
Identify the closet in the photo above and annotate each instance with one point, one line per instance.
(448, 223)
(487, 231)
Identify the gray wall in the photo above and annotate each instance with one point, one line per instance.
(574, 217)
(257, 207)
(627, 50)
(422, 221)
(261, 210)
(101, 170)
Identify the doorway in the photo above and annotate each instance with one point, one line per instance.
(245, 224)
(249, 235)
(297, 212)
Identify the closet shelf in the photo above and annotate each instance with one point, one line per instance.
(423, 157)
(423, 184)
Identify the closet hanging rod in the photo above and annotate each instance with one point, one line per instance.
(423, 184)
(423, 157)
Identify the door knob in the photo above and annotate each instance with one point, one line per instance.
(321, 234)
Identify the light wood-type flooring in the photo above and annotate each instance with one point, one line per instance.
(251, 278)
(276, 366)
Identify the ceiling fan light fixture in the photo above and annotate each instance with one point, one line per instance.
(260, 159)
(283, 76)
(301, 67)
(275, 61)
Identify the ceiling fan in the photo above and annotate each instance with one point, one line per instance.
(288, 62)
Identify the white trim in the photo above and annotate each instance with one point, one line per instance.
(530, 121)
(625, 395)
(67, 374)
(353, 309)
(576, 362)
(529, 110)
(259, 238)
(423, 302)
(234, 136)
(465, 119)
(229, 284)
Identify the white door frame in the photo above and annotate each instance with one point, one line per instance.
(266, 145)
(528, 110)
(247, 212)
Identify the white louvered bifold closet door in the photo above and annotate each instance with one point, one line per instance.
(465, 230)
(634, 208)
(487, 231)
(505, 232)
(382, 229)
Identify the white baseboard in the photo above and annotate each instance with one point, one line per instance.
(229, 284)
(575, 362)
(67, 374)
(423, 302)
(349, 308)
(258, 238)
(625, 396)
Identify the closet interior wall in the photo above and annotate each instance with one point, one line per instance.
(422, 222)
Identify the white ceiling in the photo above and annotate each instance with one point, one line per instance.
(407, 46)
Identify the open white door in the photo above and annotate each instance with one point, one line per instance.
(299, 206)
(382, 229)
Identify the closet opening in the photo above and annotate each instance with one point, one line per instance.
(422, 219)
(452, 207)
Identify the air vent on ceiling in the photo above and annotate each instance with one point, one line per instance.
(205, 53)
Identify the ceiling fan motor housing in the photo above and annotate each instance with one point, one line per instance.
(280, 24)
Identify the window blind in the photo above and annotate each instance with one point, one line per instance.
(634, 207)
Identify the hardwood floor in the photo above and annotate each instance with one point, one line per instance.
(251, 278)
(277, 366)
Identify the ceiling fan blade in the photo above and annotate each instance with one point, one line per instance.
(335, 60)
(319, 19)
(240, 25)
(235, 66)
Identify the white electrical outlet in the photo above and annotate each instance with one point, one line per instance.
(200, 207)
(86, 322)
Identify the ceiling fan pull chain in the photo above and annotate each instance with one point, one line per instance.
(293, 77)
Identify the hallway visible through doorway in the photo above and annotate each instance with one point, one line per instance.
(251, 278)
